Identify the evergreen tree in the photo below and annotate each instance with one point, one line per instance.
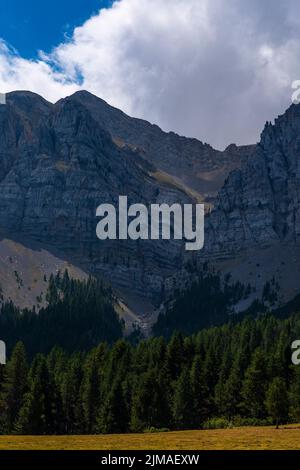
(41, 410)
(175, 355)
(79, 315)
(228, 393)
(71, 399)
(277, 401)
(90, 393)
(200, 404)
(113, 414)
(183, 401)
(13, 388)
(150, 407)
(254, 386)
(237, 371)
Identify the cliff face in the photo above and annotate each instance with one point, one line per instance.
(57, 166)
(253, 231)
(190, 161)
(60, 161)
(259, 203)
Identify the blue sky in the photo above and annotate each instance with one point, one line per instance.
(212, 69)
(23, 25)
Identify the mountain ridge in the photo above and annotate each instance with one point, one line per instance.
(196, 164)
(60, 161)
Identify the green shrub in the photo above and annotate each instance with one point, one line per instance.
(217, 423)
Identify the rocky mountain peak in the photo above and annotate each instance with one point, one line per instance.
(259, 203)
(188, 160)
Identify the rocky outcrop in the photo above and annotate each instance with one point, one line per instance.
(259, 204)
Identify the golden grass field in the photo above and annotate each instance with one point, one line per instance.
(246, 438)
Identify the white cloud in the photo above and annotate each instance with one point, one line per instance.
(17, 73)
(213, 69)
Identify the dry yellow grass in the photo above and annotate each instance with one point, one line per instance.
(250, 438)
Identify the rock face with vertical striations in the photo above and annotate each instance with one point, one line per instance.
(60, 161)
(57, 165)
(190, 161)
(258, 205)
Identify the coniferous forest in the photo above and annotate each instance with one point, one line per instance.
(238, 373)
(77, 316)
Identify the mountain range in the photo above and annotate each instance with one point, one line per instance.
(60, 161)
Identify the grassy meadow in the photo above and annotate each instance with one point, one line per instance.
(245, 438)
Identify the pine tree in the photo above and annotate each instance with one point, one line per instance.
(41, 410)
(277, 401)
(200, 397)
(150, 406)
(175, 356)
(183, 400)
(113, 416)
(254, 386)
(90, 393)
(228, 396)
(13, 388)
(71, 402)
(52, 295)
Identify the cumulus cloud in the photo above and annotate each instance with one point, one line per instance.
(211, 69)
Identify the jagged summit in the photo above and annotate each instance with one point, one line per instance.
(190, 161)
(259, 203)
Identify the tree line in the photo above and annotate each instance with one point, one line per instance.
(210, 300)
(77, 314)
(238, 373)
